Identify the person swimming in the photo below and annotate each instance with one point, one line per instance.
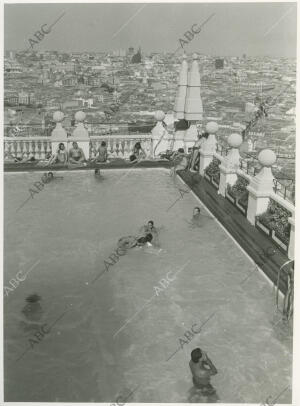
(125, 243)
(33, 309)
(149, 227)
(202, 369)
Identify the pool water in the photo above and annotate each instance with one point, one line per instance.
(119, 335)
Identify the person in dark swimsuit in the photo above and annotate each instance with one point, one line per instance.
(76, 154)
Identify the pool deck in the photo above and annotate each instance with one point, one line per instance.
(253, 242)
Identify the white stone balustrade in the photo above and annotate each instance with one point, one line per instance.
(209, 147)
(230, 163)
(81, 133)
(261, 186)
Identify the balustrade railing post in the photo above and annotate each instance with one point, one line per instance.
(230, 164)
(59, 134)
(209, 147)
(80, 133)
(261, 186)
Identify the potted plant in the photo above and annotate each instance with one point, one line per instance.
(275, 220)
(212, 172)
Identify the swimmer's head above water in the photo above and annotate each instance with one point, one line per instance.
(97, 172)
(196, 211)
(50, 175)
(150, 224)
(34, 298)
(196, 355)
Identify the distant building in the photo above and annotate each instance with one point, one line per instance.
(219, 63)
(26, 98)
(137, 58)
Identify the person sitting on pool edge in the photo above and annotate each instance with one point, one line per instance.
(137, 153)
(202, 369)
(76, 154)
(101, 153)
(61, 156)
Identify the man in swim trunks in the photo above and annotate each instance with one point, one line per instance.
(202, 369)
(76, 154)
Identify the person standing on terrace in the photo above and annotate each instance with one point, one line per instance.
(76, 154)
(195, 158)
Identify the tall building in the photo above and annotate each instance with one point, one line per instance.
(219, 63)
(137, 58)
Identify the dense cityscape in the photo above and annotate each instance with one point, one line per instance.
(120, 91)
(149, 203)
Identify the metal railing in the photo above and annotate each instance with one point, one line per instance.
(285, 188)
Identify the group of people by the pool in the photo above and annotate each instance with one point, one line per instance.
(76, 156)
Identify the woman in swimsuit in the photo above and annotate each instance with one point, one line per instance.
(60, 157)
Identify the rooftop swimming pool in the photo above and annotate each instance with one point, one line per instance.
(99, 335)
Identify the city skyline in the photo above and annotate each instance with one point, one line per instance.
(106, 27)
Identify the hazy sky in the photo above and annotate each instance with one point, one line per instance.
(236, 28)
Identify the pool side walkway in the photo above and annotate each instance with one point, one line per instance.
(113, 164)
(237, 225)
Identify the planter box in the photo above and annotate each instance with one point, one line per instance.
(230, 198)
(214, 183)
(263, 228)
(279, 241)
(241, 208)
(207, 177)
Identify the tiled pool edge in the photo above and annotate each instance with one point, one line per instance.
(32, 167)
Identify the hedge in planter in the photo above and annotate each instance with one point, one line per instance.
(213, 169)
(239, 189)
(276, 218)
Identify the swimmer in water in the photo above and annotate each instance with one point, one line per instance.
(131, 242)
(202, 369)
(196, 219)
(48, 177)
(98, 174)
(149, 228)
(33, 309)
(144, 240)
